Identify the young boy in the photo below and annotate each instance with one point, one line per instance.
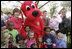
(48, 38)
(26, 29)
(60, 43)
(11, 29)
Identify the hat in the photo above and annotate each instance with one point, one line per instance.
(55, 14)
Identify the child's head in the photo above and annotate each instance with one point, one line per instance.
(47, 30)
(10, 25)
(16, 12)
(31, 34)
(59, 35)
(19, 39)
(27, 28)
(33, 45)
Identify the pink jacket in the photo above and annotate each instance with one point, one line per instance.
(29, 42)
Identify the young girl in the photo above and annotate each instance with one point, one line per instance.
(26, 29)
(54, 22)
(59, 42)
(30, 40)
(49, 39)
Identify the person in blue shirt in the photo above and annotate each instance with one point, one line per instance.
(60, 43)
(49, 39)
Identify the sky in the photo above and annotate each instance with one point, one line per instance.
(13, 4)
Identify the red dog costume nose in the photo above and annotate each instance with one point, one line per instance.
(35, 13)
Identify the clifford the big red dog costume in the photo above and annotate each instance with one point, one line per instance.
(33, 19)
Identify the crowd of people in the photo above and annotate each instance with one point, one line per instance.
(56, 31)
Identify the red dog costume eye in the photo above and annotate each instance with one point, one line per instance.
(28, 8)
(32, 5)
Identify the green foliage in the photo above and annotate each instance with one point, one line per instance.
(6, 10)
(67, 5)
(52, 10)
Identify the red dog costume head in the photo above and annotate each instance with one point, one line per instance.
(30, 10)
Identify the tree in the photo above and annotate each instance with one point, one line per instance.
(52, 10)
(67, 5)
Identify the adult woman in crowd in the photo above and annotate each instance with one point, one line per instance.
(65, 25)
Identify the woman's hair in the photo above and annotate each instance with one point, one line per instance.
(16, 10)
(61, 10)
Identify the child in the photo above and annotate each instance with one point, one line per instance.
(40, 42)
(59, 42)
(19, 41)
(54, 22)
(30, 40)
(11, 29)
(48, 38)
(26, 29)
(33, 45)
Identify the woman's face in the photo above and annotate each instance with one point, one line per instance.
(63, 13)
(16, 14)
